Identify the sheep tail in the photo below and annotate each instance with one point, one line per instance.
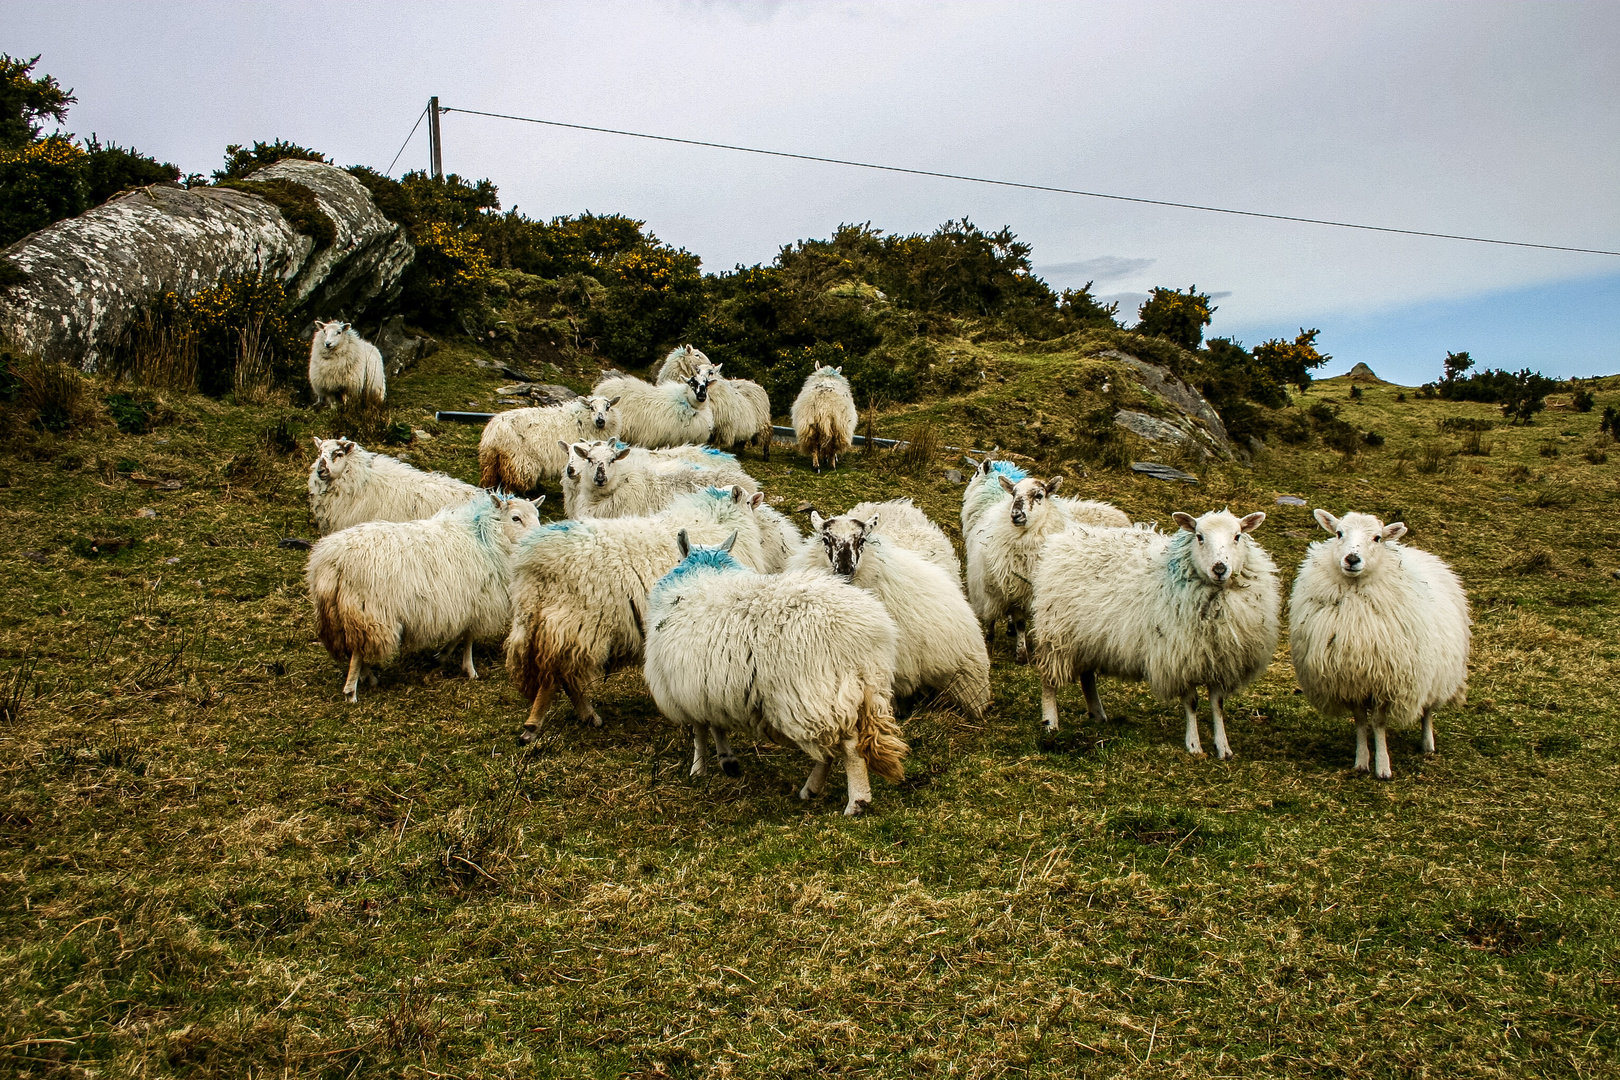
(492, 471)
(879, 740)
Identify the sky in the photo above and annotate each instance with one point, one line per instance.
(1497, 120)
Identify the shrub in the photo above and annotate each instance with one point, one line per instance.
(1433, 458)
(1473, 446)
(40, 184)
(239, 162)
(52, 397)
(1525, 395)
(1176, 315)
(1355, 393)
(133, 417)
(113, 169)
(1596, 455)
(1279, 362)
(1610, 423)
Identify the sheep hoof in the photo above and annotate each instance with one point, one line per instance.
(528, 735)
(1022, 656)
(1225, 755)
(352, 697)
(731, 768)
(1386, 775)
(698, 770)
(858, 808)
(596, 719)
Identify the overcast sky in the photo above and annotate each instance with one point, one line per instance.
(1487, 119)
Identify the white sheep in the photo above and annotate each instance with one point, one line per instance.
(779, 539)
(905, 525)
(798, 658)
(344, 365)
(349, 484)
(983, 492)
(939, 647)
(1198, 608)
(579, 590)
(741, 408)
(824, 416)
(519, 447)
(1006, 542)
(382, 587)
(1379, 631)
(610, 479)
(665, 414)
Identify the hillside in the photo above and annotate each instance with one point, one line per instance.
(213, 865)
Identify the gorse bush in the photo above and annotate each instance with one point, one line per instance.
(1176, 315)
(240, 161)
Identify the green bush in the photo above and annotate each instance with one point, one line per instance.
(239, 161)
(113, 169)
(41, 183)
(132, 416)
(1176, 315)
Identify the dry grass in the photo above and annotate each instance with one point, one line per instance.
(213, 865)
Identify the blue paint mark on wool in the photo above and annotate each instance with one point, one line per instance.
(718, 492)
(1009, 470)
(700, 558)
(712, 452)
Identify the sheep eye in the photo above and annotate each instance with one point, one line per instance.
(1340, 534)
(1200, 537)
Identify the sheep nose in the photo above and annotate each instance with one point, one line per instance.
(600, 422)
(1352, 559)
(1219, 569)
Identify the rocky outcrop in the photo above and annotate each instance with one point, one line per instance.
(87, 275)
(1190, 422)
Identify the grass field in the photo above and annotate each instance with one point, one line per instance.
(211, 865)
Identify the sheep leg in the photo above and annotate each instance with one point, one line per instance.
(582, 704)
(537, 716)
(466, 658)
(371, 675)
(1189, 704)
(700, 753)
(1428, 731)
(351, 686)
(1217, 715)
(1094, 705)
(860, 784)
(1049, 709)
(1021, 654)
(722, 751)
(1381, 767)
(1363, 759)
(816, 781)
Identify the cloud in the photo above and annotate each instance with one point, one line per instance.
(1104, 268)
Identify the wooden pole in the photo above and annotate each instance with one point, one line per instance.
(435, 146)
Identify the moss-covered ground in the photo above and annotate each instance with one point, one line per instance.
(211, 865)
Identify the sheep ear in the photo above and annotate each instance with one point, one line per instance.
(1006, 484)
(1053, 484)
(496, 499)
(756, 500)
(615, 401)
(348, 445)
(737, 493)
(869, 527)
(1252, 522)
(622, 454)
(1326, 520)
(682, 543)
(565, 447)
(977, 465)
(320, 447)
(1393, 531)
(539, 501)
(839, 370)
(1185, 521)
(579, 448)
(730, 540)
(817, 522)
(347, 327)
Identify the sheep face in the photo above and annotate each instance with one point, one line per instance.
(331, 334)
(1030, 498)
(704, 377)
(842, 540)
(1219, 544)
(518, 516)
(595, 460)
(599, 407)
(333, 456)
(1358, 540)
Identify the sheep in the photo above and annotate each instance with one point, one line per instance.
(799, 658)
(609, 479)
(519, 447)
(342, 364)
(982, 491)
(1378, 630)
(665, 414)
(908, 527)
(349, 484)
(1199, 608)
(779, 539)
(939, 647)
(824, 416)
(1006, 542)
(382, 587)
(741, 408)
(579, 589)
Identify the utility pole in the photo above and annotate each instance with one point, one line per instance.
(435, 147)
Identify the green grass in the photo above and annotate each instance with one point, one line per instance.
(212, 865)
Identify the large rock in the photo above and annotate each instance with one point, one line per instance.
(87, 275)
(1192, 424)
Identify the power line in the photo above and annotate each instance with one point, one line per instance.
(407, 141)
(1031, 187)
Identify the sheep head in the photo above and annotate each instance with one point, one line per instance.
(1030, 497)
(1358, 543)
(599, 407)
(331, 334)
(1219, 545)
(842, 540)
(333, 456)
(700, 380)
(595, 460)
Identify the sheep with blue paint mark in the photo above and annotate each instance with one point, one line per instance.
(983, 491)
(383, 587)
(824, 416)
(802, 659)
(939, 647)
(344, 365)
(1199, 608)
(579, 591)
(610, 479)
(522, 447)
(1006, 542)
(662, 414)
(1378, 630)
(349, 484)
(741, 408)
